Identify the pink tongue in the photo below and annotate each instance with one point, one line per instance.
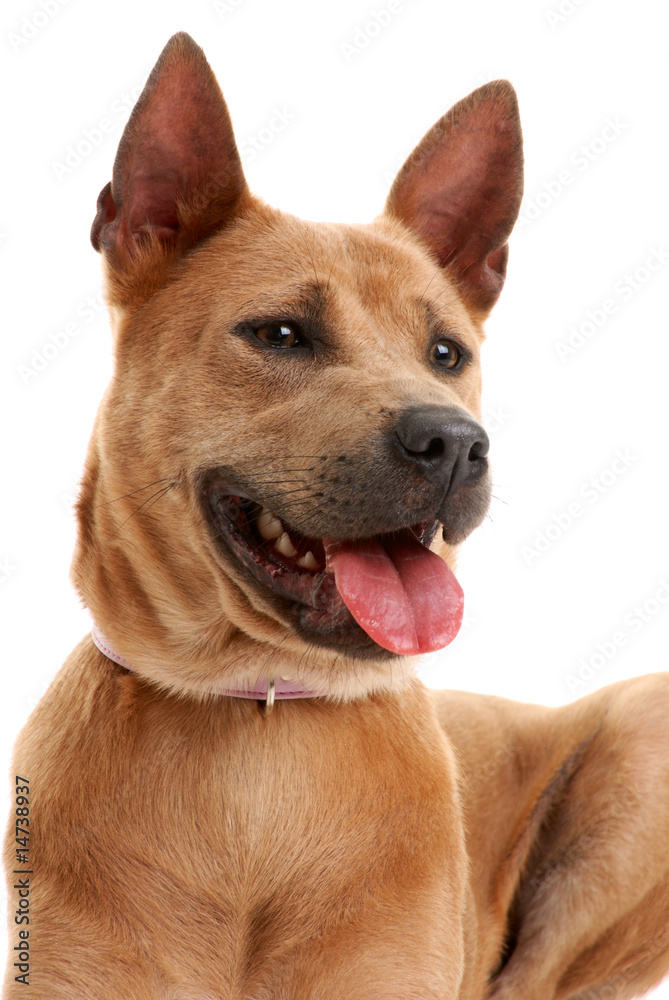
(402, 594)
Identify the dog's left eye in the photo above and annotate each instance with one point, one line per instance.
(446, 354)
(278, 335)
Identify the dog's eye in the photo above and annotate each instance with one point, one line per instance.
(278, 335)
(446, 354)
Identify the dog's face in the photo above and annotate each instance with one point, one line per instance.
(292, 425)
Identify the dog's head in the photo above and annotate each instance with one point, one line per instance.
(291, 434)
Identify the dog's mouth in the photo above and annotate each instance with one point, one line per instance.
(387, 592)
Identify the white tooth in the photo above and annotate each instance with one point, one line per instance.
(269, 526)
(285, 546)
(308, 561)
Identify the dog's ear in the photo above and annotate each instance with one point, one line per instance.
(461, 188)
(177, 175)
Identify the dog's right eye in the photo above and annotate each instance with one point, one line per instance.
(278, 335)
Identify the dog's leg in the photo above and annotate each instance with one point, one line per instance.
(568, 833)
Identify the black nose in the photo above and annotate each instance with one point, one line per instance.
(447, 445)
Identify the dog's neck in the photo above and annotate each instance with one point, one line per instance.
(267, 689)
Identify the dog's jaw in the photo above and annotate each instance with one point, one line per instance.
(175, 620)
(295, 573)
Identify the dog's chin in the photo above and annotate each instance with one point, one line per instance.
(289, 571)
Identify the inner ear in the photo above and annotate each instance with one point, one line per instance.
(461, 188)
(177, 175)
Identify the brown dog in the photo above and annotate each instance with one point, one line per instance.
(293, 417)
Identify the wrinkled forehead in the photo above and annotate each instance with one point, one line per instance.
(284, 263)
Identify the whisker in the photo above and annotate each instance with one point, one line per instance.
(290, 506)
(274, 482)
(313, 265)
(424, 292)
(289, 458)
(334, 260)
(158, 497)
(125, 495)
(166, 367)
(286, 493)
(158, 494)
(302, 468)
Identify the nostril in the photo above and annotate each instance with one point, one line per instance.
(430, 449)
(478, 450)
(435, 449)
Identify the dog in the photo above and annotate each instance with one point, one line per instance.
(236, 785)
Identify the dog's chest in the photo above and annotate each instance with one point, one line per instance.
(222, 833)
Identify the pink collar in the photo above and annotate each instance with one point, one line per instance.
(266, 690)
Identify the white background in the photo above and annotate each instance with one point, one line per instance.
(533, 620)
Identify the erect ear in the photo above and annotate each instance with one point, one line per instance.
(177, 174)
(461, 188)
